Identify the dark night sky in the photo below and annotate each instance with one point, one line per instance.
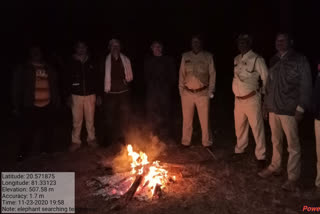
(56, 24)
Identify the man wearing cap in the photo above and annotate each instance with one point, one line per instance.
(288, 93)
(197, 78)
(118, 73)
(249, 67)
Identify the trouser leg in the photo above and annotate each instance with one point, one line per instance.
(202, 104)
(89, 110)
(164, 125)
(124, 115)
(77, 117)
(255, 119)
(290, 128)
(317, 133)
(187, 113)
(241, 127)
(277, 141)
(110, 123)
(46, 126)
(29, 129)
(158, 115)
(151, 114)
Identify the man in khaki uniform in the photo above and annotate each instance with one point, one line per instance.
(249, 67)
(197, 77)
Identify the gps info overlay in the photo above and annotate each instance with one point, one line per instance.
(37, 192)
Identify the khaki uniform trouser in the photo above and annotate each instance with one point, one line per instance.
(248, 112)
(288, 125)
(201, 101)
(317, 132)
(83, 106)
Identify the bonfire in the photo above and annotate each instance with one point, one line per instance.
(144, 181)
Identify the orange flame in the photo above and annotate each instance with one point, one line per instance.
(155, 174)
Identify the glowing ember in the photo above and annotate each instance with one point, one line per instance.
(154, 174)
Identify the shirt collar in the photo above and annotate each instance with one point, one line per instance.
(197, 54)
(246, 55)
(114, 59)
(283, 55)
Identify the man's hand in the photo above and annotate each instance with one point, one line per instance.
(69, 101)
(298, 116)
(99, 101)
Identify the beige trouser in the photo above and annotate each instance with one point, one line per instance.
(248, 112)
(201, 101)
(83, 106)
(288, 125)
(317, 132)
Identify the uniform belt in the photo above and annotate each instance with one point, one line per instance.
(251, 94)
(196, 90)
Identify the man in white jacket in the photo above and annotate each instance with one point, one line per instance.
(116, 99)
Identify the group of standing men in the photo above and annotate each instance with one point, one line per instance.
(281, 93)
(282, 97)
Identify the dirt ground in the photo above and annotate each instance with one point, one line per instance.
(216, 186)
(213, 186)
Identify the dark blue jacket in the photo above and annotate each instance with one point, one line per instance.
(289, 84)
(82, 78)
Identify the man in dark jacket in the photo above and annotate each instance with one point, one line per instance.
(288, 93)
(35, 96)
(82, 81)
(160, 80)
(316, 109)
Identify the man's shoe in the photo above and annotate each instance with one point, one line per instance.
(314, 194)
(290, 186)
(185, 146)
(266, 173)
(261, 164)
(93, 143)
(317, 192)
(210, 148)
(74, 147)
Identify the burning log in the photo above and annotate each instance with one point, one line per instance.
(157, 191)
(145, 181)
(130, 193)
(127, 197)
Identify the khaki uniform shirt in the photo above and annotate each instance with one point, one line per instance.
(247, 71)
(197, 71)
